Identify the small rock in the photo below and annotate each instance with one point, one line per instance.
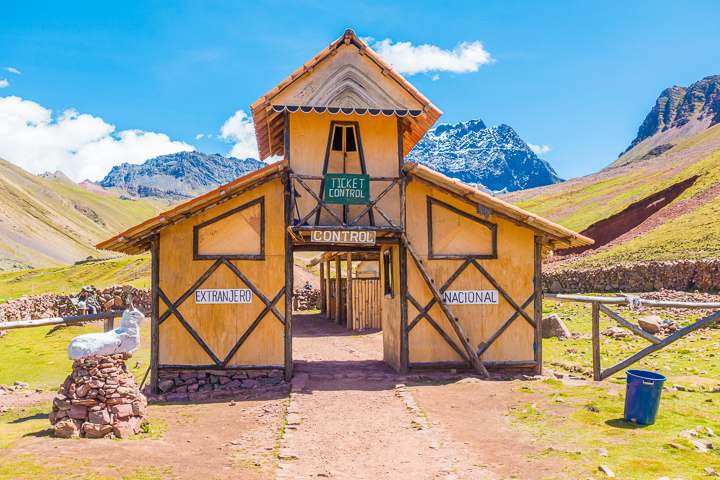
(232, 403)
(711, 472)
(606, 470)
(602, 451)
(293, 419)
(699, 446)
(560, 400)
(676, 446)
(651, 323)
(688, 433)
(576, 452)
(679, 388)
(553, 326)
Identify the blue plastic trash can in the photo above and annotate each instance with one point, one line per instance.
(642, 396)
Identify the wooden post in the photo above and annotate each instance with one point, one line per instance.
(289, 279)
(338, 287)
(108, 324)
(349, 294)
(404, 333)
(597, 368)
(327, 289)
(322, 287)
(538, 308)
(155, 316)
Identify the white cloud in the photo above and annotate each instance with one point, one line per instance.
(12, 70)
(79, 145)
(4, 83)
(539, 149)
(199, 136)
(239, 131)
(409, 59)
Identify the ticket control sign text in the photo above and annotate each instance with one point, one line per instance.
(471, 297)
(223, 295)
(347, 189)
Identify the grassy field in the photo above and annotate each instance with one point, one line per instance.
(134, 270)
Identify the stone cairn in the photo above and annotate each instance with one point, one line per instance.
(306, 299)
(100, 399)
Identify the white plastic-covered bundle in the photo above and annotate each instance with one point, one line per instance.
(125, 339)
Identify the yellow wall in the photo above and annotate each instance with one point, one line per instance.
(513, 270)
(390, 308)
(220, 326)
(378, 135)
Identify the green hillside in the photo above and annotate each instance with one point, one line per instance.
(134, 270)
(581, 202)
(46, 223)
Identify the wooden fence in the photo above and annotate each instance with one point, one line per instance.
(598, 307)
(44, 322)
(366, 303)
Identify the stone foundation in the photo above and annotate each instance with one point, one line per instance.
(194, 385)
(100, 399)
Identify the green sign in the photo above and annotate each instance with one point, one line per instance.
(347, 189)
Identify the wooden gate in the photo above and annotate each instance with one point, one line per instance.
(366, 303)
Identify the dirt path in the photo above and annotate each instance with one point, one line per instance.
(349, 418)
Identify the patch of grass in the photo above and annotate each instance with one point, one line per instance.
(134, 270)
(29, 355)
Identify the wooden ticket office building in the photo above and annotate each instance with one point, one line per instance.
(459, 269)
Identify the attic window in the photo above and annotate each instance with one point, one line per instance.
(350, 144)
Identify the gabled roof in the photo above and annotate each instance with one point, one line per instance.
(268, 118)
(137, 239)
(560, 236)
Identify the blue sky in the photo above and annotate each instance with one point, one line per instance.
(578, 77)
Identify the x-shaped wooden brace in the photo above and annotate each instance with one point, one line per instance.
(173, 310)
(321, 204)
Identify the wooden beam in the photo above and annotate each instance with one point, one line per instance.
(44, 322)
(327, 288)
(634, 328)
(322, 288)
(338, 285)
(537, 283)
(349, 294)
(624, 300)
(155, 316)
(289, 287)
(472, 355)
(597, 369)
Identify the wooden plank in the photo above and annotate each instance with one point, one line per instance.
(44, 322)
(442, 333)
(502, 291)
(624, 300)
(192, 289)
(404, 330)
(349, 292)
(597, 369)
(328, 289)
(322, 288)
(502, 329)
(289, 288)
(667, 341)
(338, 291)
(216, 367)
(472, 355)
(634, 328)
(537, 283)
(155, 316)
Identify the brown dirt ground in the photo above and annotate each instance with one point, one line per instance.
(353, 426)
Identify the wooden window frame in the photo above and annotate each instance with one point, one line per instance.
(435, 256)
(388, 287)
(239, 256)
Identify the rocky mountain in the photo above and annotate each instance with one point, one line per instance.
(59, 177)
(495, 158)
(679, 114)
(46, 222)
(178, 176)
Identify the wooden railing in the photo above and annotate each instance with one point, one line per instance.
(44, 322)
(598, 307)
(370, 208)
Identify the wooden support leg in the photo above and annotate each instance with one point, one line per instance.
(108, 324)
(155, 316)
(289, 288)
(538, 309)
(471, 353)
(338, 290)
(327, 289)
(597, 368)
(404, 332)
(322, 287)
(349, 294)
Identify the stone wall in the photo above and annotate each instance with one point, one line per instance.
(306, 299)
(701, 275)
(48, 305)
